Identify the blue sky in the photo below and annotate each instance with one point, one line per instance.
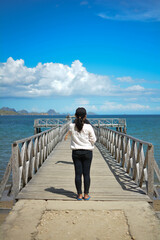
(61, 54)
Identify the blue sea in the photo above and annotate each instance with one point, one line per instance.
(145, 127)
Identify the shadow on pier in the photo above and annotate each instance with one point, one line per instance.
(62, 191)
(119, 173)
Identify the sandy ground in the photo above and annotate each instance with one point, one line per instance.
(80, 225)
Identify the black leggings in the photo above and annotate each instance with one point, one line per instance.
(82, 162)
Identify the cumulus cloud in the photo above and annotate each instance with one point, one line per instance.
(56, 79)
(15, 72)
(50, 79)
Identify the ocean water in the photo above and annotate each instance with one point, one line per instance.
(12, 128)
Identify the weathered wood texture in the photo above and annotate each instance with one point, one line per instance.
(134, 155)
(28, 155)
(107, 122)
(55, 179)
(5, 177)
(130, 162)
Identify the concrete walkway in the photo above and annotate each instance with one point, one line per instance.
(92, 220)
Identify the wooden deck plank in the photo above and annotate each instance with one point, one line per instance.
(55, 180)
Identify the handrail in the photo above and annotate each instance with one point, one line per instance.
(49, 122)
(28, 155)
(133, 138)
(34, 136)
(129, 152)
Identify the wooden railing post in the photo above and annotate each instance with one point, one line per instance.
(150, 189)
(15, 169)
(98, 134)
(5, 177)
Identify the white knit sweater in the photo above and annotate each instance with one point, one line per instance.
(84, 139)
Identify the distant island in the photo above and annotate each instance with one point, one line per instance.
(91, 113)
(12, 111)
(51, 112)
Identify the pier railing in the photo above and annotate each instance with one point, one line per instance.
(28, 155)
(118, 123)
(134, 155)
(110, 122)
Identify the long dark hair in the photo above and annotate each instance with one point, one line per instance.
(80, 117)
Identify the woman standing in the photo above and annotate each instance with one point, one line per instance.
(82, 144)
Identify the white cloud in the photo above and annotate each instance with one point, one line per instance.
(85, 103)
(155, 99)
(89, 107)
(135, 88)
(130, 99)
(153, 16)
(82, 101)
(92, 108)
(125, 79)
(122, 107)
(131, 92)
(15, 72)
(144, 11)
(50, 79)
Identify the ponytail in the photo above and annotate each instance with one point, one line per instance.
(79, 123)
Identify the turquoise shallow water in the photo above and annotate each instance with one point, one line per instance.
(145, 127)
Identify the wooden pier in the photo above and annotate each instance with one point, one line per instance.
(42, 167)
(118, 123)
(122, 188)
(55, 179)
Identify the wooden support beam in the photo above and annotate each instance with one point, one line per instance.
(5, 177)
(15, 170)
(150, 171)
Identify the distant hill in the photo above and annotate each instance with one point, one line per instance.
(8, 109)
(3, 112)
(52, 112)
(91, 113)
(22, 112)
(12, 111)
